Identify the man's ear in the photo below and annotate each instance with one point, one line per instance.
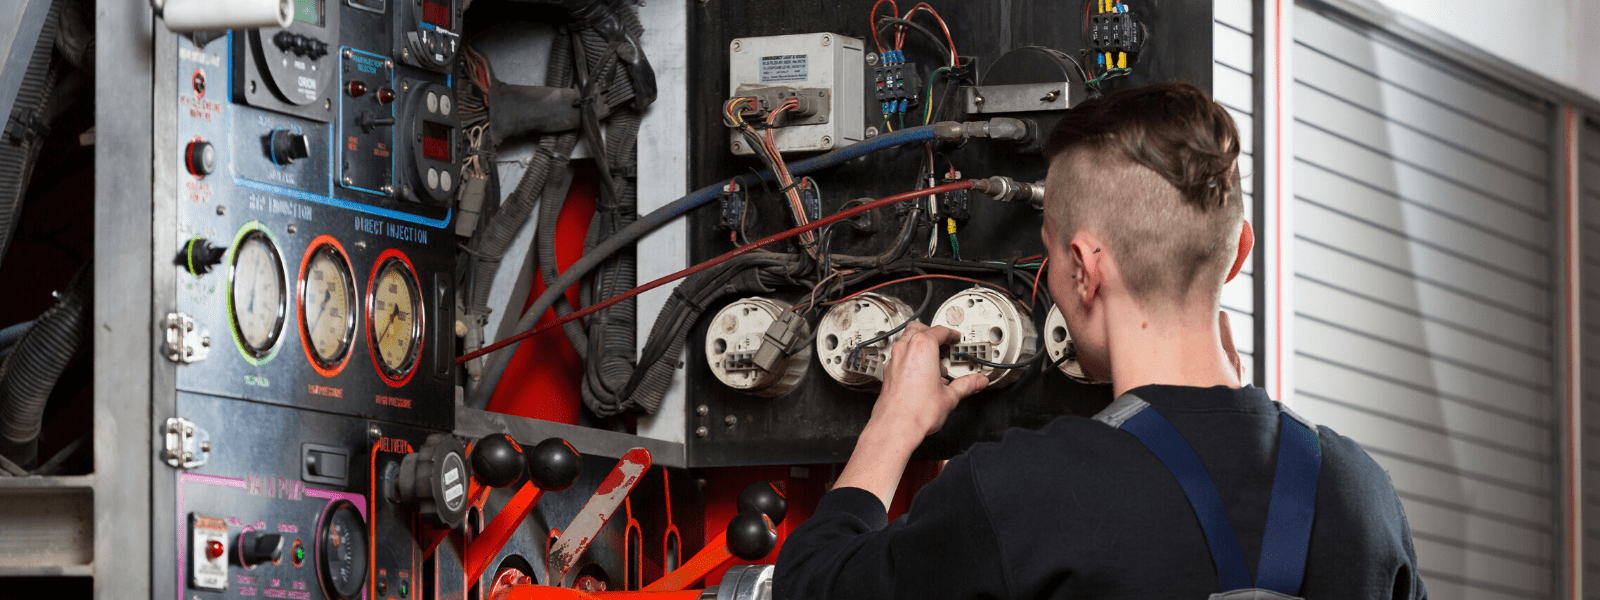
(1247, 240)
(1086, 263)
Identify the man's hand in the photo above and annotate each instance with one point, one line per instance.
(915, 398)
(914, 403)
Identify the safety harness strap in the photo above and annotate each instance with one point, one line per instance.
(1289, 515)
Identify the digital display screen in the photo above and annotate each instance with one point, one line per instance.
(436, 13)
(436, 141)
(308, 11)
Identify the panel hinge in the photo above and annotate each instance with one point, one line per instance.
(186, 342)
(188, 446)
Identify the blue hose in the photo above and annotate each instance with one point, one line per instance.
(659, 217)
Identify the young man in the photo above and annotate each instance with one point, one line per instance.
(1143, 225)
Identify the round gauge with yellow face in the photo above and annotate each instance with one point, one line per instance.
(327, 305)
(394, 317)
(256, 293)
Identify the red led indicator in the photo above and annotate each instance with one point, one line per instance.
(435, 141)
(436, 13)
(357, 88)
(213, 549)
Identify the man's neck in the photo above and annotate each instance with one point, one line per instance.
(1171, 350)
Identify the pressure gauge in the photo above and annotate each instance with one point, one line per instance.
(394, 317)
(342, 550)
(256, 298)
(327, 305)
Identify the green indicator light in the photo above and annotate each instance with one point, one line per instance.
(299, 553)
(404, 588)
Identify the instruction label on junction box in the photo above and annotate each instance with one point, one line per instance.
(785, 68)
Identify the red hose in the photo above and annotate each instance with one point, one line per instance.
(729, 255)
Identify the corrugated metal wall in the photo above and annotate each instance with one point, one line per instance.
(1233, 54)
(1424, 247)
(1589, 279)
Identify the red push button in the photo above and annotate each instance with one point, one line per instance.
(213, 549)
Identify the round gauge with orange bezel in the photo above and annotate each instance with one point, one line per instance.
(394, 317)
(328, 307)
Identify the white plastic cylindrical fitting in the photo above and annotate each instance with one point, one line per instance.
(993, 327)
(1058, 341)
(183, 16)
(736, 333)
(847, 325)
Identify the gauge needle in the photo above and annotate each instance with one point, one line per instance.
(326, 294)
(392, 315)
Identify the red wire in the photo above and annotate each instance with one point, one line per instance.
(1036, 276)
(955, 59)
(725, 257)
(872, 21)
(914, 278)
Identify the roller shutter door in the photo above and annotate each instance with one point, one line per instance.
(1423, 260)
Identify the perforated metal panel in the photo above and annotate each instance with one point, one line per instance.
(1424, 247)
(1232, 86)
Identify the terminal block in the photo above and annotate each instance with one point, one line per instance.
(980, 351)
(756, 346)
(896, 84)
(866, 361)
(733, 208)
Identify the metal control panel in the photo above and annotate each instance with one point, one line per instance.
(312, 327)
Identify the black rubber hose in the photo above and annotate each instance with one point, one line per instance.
(647, 223)
(30, 372)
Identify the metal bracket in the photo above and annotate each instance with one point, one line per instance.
(188, 446)
(186, 342)
(1026, 97)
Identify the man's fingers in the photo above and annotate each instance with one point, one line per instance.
(944, 335)
(967, 385)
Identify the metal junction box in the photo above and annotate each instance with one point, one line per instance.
(826, 64)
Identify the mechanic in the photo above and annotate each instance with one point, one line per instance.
(1143, 224)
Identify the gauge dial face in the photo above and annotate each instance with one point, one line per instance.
(256, 293)
(342, 551)
(396, 330)
(328, 305)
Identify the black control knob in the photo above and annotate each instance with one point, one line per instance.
(285, 146)
(751, 536)
(369, 121)
(200, 157)
(256, 547)
(199, 256)
(433, 481)
(763, 497)
(554, 465)
(497, 460)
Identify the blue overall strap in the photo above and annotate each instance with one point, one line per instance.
(1294, 503)
(1168, 445)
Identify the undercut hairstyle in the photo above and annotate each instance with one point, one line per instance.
(1153, 171)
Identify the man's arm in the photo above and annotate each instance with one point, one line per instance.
(913, 404)
(945, 546)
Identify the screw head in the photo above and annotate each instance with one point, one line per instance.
(702, 410)
(206, 341)
(222, 210)
(205, 446)
(977, 99)
(872, 132)
(827, 39)
(827, 141)
(347, 180)
(702, 432)
(737, 45)
(388, 63)
(731, 420)
(1050, 97)
(291, 228)
(872, 58)
(327, 105)
(737, 147)
(387, 190)
(361, 245)
(252, 87)
(348, 54)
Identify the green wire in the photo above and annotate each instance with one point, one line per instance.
(927, 97)
(1110, 73)
(955, 246)
(902, 120)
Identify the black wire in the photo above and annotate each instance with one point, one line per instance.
(888, 22)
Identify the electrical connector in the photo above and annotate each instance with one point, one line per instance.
(896, 85)
(734, 205)
(782, 338)
(1006, 189)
